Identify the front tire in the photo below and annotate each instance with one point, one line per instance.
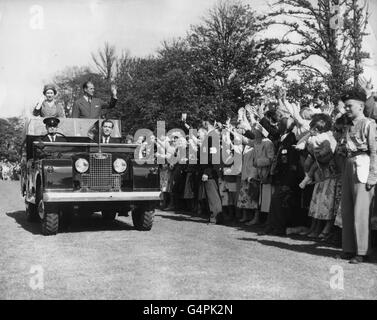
(50, 224)
(50, 221)
(142, 219)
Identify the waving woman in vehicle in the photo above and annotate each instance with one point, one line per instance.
(47, 105)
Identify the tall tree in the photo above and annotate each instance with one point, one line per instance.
(319, 29)
(230, 58)
(356, 28)
(11, 138)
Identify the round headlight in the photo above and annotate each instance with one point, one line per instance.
(82, 165)
(120, 165)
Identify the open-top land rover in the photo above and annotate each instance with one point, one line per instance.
(79, 176)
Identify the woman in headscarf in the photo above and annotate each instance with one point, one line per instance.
(47, 106)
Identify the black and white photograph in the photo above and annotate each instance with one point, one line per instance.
(188, 154)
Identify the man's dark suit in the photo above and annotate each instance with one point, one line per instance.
(111, 140)
(58, 138)
(51, 155)
(91, 110)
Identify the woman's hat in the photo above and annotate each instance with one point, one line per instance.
(49, 87)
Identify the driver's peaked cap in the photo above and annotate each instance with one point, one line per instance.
(51, 122)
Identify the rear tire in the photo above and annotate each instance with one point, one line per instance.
(142, 219)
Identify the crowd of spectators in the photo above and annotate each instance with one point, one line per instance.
(290, 178)
(9, 170)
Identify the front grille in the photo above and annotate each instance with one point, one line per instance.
(100, 176)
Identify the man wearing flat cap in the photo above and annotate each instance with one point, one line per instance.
(51, 127)
(90, 107)
(359, 177)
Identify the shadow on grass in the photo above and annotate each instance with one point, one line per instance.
(191, 217)
(180, 216)
(225, 219)
(259, 227)
(20, 218)
(78, 224)
(325, 249)
(318, 249)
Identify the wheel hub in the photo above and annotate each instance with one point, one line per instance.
(41, 209)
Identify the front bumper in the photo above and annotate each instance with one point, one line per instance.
(101, 196)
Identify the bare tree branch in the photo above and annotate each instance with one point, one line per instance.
(105, 61)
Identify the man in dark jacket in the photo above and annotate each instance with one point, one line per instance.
(51, 136)
(89, 107)
(107, 128)
(51, 127)
(286, 197)
(209, 171)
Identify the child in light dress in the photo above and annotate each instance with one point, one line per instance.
(318, 144)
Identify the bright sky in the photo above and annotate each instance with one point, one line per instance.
(41, 37)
